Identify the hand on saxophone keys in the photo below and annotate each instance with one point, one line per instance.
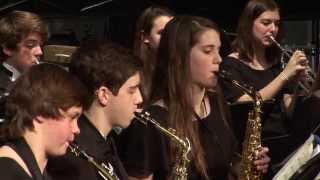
(263, 160)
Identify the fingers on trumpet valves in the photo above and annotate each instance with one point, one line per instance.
(300, 58)
(304, 62)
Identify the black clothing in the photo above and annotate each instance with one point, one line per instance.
(11, 170)
(69, 167)
(274, 121)
(5, 87)
(5, 80)
(275, 124)
(306, 117)
(144, 149)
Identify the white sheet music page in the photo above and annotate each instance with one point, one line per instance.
(303, 154)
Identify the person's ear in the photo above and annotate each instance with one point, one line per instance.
(103, 95)
(145, 37)
(7, 51)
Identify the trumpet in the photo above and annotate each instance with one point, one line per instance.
(311, 76)
(105, 171)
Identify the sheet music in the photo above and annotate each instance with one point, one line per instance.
(304, 153)
(317, 177)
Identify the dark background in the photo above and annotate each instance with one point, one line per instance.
(72, 21)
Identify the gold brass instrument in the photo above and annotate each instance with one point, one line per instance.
(105, 171)
(252, 140)
(181, 164)
(311, 76)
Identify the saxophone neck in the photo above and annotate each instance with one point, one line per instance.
(249, 90)
(106, 172)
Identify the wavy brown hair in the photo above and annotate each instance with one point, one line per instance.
(17, 25)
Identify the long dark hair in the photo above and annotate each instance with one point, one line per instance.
(144, 25)
(172, 74)
(244, 42)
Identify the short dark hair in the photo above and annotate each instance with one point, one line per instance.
(17, 25)
(42, 90)
(104, 64)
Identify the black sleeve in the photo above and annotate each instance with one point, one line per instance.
(142, 148)
(306, 117)
(231, 92)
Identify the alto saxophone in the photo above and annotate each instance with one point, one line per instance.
(180, 168)
(252, 140)
(105, 171)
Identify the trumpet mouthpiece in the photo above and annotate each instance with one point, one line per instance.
(272, 39)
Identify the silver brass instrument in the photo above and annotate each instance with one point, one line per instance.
(311, 76)
(180, 168)
(105, 171)
(252, 140)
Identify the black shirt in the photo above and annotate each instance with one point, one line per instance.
(11, 170)
(144, 149)
(5, 80)
(306, 117)
(102, 150)
(274, 120)
(275, 124)
(5, 87)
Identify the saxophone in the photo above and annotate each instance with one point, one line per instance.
(105, 171)
(252, 139)
(179, 171)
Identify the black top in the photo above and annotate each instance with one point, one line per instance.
(275, 125)
(144, 149)
(5, 86)
(5, 81)
(70, 167)
(306, 117)
(274, 121)
(11, 170)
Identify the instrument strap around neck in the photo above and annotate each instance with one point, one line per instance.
(21, 147)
